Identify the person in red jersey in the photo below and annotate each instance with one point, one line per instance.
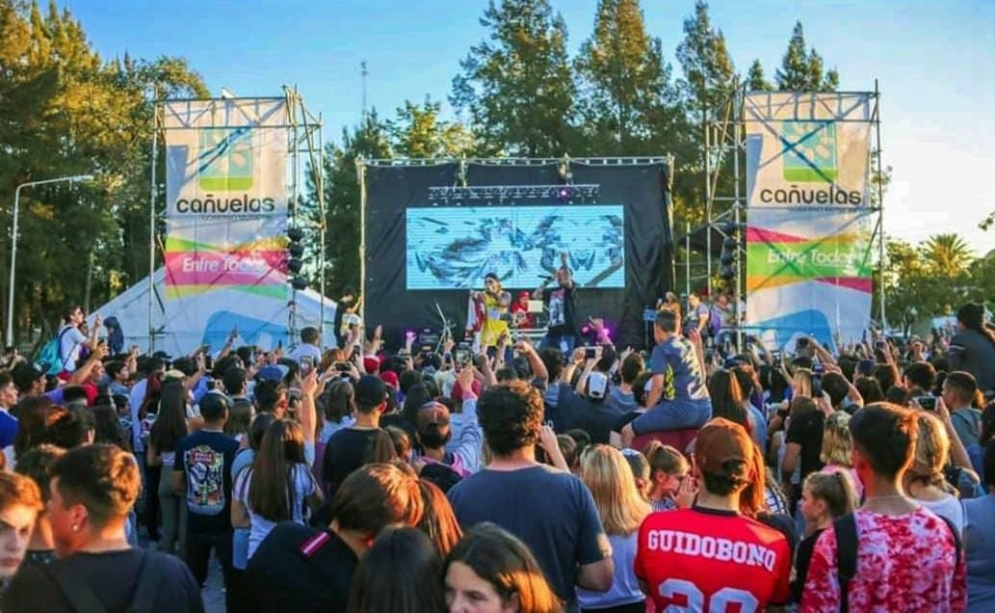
(710, 557)
(901, 556)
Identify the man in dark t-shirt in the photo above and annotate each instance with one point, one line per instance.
(562, 332)
(303, 569)
(591, 412)
(352, 447)
(113, 578)
(549, 510)
(202, 476)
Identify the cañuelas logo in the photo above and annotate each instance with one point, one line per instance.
(810, 158)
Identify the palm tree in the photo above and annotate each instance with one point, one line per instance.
(946, 254)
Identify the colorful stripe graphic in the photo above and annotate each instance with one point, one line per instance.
(776, 259)
(256, 267)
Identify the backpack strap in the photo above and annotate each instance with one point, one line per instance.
(153, 569)
(958, 546)
(846, 556)
(80, 595)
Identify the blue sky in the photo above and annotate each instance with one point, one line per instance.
(935, 62)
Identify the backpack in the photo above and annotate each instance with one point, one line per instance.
(50, 356)
(846, 553)
(152, 569)
(714, 320)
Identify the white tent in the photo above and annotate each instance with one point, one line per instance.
(259, 320)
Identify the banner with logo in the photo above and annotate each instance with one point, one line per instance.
(809, 273)
(808, 149)
(226, 217)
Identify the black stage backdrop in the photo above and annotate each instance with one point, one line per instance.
(642, 189)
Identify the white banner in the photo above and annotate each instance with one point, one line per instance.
(808, 149)
(226, 158)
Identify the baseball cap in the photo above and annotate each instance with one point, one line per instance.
(273, 372)
(597, 385)
(371, 364)
(370, 391)
(390, 378)
(721, 441)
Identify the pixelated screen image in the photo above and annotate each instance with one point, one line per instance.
(454, 247)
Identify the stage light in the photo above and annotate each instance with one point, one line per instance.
(296, 250)
(294, 265)
(299, 283)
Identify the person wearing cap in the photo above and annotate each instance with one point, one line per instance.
(552, 511)
(434, 432)
(711, 556)
(361, 443)
(687, 403)
(972, 349)
(586, 407)
(561, 306)
(520, 315)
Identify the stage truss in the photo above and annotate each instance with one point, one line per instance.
(305, 140)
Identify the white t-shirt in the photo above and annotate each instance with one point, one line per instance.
(305, 349)
(948, 508)
(70, 342)
(303, 486)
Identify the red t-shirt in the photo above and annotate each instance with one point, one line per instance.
(906, 561)
(710, 560)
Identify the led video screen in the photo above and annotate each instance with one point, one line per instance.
(454, 247)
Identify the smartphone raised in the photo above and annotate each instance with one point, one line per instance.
(928, 403)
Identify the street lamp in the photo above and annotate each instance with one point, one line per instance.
(13, 240)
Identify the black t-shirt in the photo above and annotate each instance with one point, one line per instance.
(595, 418)
(549, 510)
(206, 457)
(347, 450)
(806, 430)
(560, 302)
(302, 569)
(113, 578)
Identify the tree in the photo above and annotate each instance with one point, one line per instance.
(708, 69)
(947, 255)
(517, 85)
(369, 140)
(755, 79)
(623, 79)
(419, 132)
(65, 111)
(987, 222)
(802, 70)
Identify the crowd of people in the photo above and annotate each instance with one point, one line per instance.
(531, 479)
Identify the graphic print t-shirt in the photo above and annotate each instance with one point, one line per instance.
(909, 559)
(706, 560)
(206, 458)
(675, 359)
(561, 312)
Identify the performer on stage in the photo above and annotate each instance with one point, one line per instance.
(521, 318)
(562, 331)
(489, 312)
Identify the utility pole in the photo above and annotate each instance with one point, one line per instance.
(365, 74)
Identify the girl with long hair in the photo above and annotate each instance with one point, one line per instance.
(727, 398)
(281, 486)
(924, 480)
(837, 446)
(239, 419)
(491, 570)
(378, 586)
(438, 521)
(606, 473)
(668, 470)
(826, 497)
(169, 427)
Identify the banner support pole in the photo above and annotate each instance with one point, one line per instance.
(880, 207)
(155, 162)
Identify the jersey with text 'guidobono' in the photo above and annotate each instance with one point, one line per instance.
(712, 561)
